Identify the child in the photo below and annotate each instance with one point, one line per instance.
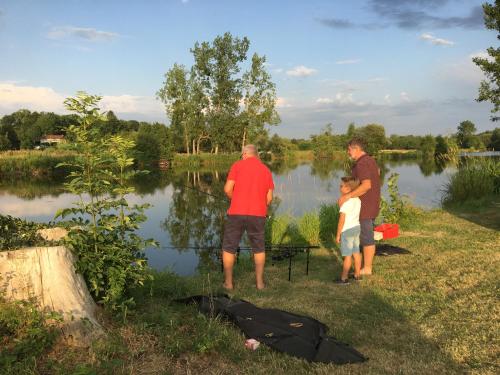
(348, 231)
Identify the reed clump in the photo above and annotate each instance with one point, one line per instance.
(476, 179)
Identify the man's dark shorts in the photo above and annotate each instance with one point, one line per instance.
(366, 237)
(236, 225)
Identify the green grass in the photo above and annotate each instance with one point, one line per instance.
(39, 164)
(434, 311)
(475, 180)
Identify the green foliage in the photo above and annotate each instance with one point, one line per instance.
(326, 145)
(328, 220)
(16, 233)
(214, 106)
(33, 164)
(475, 179)
(280, 148)
(495, 140)
(309, 228)
(110, 254)
(313, 228)
(25, 334)
(489, 89)
(428, 146)
(374, 137)
(465, 134)
(396, 209)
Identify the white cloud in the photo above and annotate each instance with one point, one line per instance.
(436, 41)
(93, 35)
(340, 98)
(301, 71)
(481, 54)
(282, 103)
(404, 96)
(13, 97)
(387, 99)
(345, 62)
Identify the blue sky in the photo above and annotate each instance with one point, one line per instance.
(405, 64)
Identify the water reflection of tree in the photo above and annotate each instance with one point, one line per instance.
(32, 189)
(429, 166)
(197, 211)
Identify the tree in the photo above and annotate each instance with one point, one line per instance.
(175, 94)
(465, 131)
(351, 130)
(217, 65)
(259, 100)
(495, 140)
(441, 147)
(374, 136)
(4, 143)
(489, 89)
(217, 103)
(428, 146)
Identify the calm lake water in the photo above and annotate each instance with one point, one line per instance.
(184, 215)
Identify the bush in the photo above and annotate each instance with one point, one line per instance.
(16, 233)
(25, 334)
(475, 179)
(328, 221)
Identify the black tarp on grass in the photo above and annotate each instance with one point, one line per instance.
(297, 335)
(385, 249)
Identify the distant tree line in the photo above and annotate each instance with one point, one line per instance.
(326, 143)
(24, 129)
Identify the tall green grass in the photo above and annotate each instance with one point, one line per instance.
(315, 228)
(476, 179)
(34, 163)
(204, 160)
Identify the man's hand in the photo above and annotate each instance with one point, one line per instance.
(343, 199)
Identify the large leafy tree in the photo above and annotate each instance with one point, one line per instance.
(374, 136)
(465, 133)
(216, 101)
(489, 89)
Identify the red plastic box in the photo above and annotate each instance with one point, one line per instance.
(388, 230)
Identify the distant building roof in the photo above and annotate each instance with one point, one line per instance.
(53, 136)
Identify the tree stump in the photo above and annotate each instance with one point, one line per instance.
(48, 275)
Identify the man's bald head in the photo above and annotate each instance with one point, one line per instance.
(249, 150)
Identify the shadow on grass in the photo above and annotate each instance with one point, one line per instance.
(484, 212)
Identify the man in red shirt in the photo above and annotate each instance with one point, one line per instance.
(250, 187)
(368, 173)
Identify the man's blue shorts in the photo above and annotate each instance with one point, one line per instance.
(349, 241)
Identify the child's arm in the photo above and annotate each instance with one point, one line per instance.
(340, 226)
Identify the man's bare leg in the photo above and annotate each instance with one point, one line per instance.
(228, 263)
(368, 254)
(357, 264)
(259, 260)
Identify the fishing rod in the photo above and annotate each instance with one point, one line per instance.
(287, 251)
(206, 193)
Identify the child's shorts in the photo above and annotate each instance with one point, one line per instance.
(349, 241)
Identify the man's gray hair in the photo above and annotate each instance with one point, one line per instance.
(250, 150)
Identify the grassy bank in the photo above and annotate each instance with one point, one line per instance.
(434, 311)
(34, 163)
(204, 160)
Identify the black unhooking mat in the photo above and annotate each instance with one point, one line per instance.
(297, 335)
(384, 249)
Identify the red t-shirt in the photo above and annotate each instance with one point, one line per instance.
(252, 180)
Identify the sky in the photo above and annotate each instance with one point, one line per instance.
(405, 64)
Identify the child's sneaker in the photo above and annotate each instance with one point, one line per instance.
(342, 282)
